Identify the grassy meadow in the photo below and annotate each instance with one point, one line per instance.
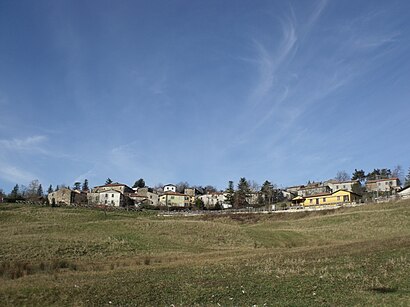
(66, 256)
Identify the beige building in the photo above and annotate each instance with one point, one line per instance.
(350, 185)
(174, 199)
(383, 185)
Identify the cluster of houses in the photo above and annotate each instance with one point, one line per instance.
(330, 192)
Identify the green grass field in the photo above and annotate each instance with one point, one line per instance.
(66, 256)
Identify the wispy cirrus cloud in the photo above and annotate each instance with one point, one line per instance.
(31, 143)
(269, 62)
(11, 151)
(13, 174)
(316, 12)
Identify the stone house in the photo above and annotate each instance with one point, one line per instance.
(313, 189)
(66, 196)
(122, 188)
(151, 196)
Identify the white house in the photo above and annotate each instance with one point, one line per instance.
(111, 198)
(170, 188)
(405, 193)
(211, 199)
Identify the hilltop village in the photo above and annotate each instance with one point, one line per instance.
(170, 196)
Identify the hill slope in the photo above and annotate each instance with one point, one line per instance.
(55, 256)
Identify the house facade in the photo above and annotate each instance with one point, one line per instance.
(113, 194)
(111, 198)
(338, 197)
(66, 196)
(383, 185)
(151, 196)
(212, 199)
(174, 199)
(350, 185)
(138, 198)
(313, 189)
(119, 187)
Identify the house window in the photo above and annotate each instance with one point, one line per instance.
(324, 199)
(106, 195)
(105, 201)
(337, 187)
(172, 197)
(338, 198)
(112, 195)
(311, 201)
(346, 198)
(344, 187)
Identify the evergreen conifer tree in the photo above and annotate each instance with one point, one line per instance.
(85, 185)
(40, 191)
(140, 183)
(230, 194)
(242, 193)
(15, 192)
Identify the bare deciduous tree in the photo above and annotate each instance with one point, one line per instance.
(342, 176)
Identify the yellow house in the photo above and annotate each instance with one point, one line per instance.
(337, 197)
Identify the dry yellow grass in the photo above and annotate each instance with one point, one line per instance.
(62, 256)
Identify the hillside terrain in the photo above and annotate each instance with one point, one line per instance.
(68, 256)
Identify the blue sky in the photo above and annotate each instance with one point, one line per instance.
(202, 91)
